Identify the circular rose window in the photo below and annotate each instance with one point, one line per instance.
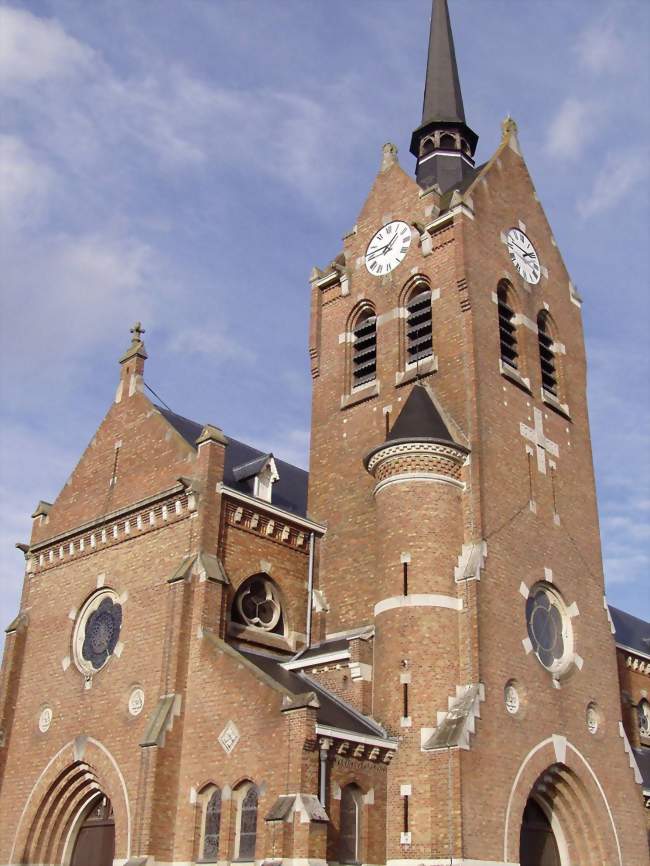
(97, 631)
(257, 604)
(549, 629)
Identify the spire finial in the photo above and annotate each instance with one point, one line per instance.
(136, 333)
(443, 135)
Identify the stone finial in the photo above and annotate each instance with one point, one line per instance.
(210, 433)
(509, 134)
(389, 156)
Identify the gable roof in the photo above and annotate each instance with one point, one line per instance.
(631, 632)
(289, 492)
(332, 712)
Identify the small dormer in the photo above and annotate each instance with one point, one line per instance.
(259, 475)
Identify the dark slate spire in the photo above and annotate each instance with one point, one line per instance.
(443, 143)
(419, 419)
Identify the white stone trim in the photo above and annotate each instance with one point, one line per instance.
(296, 664)
(339, 733)
(268, 508)
(515, 783)
(630, 754)
(453, 861)
(71, 744)
(431, 477)
(422, 600)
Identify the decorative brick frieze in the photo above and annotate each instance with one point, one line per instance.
(111, 530)
(417, 457)
(270, 528)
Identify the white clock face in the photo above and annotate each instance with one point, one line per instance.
(523, 255)
(388, 248)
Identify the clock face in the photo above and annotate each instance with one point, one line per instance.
(388, 247)
(523, 255)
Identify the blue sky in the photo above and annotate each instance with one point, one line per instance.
(187, 163)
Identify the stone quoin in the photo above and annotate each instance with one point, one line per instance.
(404, 656)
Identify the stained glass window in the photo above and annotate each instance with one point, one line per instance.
(212, 825)
(248, 825)
(548, 628)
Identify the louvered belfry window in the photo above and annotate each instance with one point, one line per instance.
(364, 349)
(546, 355)
(507, 329)
(419, 326)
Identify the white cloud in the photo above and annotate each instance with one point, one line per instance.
(211, 342)
(600, 48)
(24, 184)
(571, 128)
(622, 171)
(34, 49)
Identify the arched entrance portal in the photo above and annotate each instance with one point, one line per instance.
(95, 842)
(537, 845)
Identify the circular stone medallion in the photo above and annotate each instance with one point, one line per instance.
(136, 701)
(511, 699)
(45, 720)
(593, 718)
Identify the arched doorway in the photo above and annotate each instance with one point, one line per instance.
(350, 825)
(537, 844)
(95, 842)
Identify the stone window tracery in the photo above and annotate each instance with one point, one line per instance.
(257, 604)
(97, 631)
(246, 832)
(643, 709)
(211, 826)
(549, 629)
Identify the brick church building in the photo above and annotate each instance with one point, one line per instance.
(404, 657)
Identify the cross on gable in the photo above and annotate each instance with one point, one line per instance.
(543, 445)
(137, 331)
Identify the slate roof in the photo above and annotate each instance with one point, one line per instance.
(419, 419)
(631, 631)
(332, 712)
(289, 492)
(643, 761)
(443, 99)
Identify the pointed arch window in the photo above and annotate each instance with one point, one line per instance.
(507, 328)
(247, 823)
(364, 348)
(547, 354)
(419, 324)
(350, 824)
(211, 827)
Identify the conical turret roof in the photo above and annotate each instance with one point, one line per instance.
(419, 419)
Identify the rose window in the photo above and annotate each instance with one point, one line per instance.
(97, 631)
(257, 605)
(549, 629)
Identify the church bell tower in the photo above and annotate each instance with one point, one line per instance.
(451, 463)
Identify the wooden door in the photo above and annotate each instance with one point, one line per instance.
(95, 845)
